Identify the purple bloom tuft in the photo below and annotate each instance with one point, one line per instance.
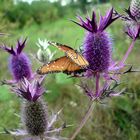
(31, 91)
(19, 63)
(91, 25)
(107, 20)
(97, 43)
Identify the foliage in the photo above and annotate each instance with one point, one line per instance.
(22, 13)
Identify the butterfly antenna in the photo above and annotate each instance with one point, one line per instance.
(51, 43)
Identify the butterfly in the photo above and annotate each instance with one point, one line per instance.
(72, 63)
(72, 54)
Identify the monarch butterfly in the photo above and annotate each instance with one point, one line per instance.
(72, 54)
(62, 64)
(72, 63)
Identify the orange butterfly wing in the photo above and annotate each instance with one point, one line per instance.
(62, 64)
(72, 54)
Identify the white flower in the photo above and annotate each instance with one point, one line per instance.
(44, 54)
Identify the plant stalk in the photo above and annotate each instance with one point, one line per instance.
(84, 120)
(97, 84)
(128, 52)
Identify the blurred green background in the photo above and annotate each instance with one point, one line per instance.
(118, 118)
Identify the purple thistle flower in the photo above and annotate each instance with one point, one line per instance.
(38, 124)
(132, 25)
(34, 113)
(30, 91)
(19, 63)
(132, 19)
(97, 47)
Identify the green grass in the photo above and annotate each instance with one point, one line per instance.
(117, 119)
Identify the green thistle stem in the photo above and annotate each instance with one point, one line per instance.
(128, 52)
(84, 120)
(97, 84)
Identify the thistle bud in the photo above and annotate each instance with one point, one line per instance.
(135, 9)
(34, 112)
(34, 117)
